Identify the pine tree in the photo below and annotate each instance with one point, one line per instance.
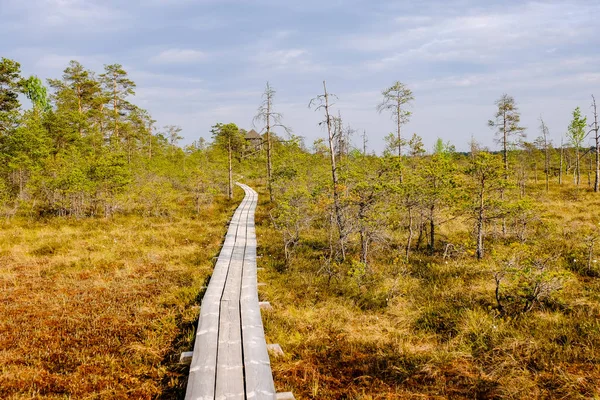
(117, 87)
(507, 122)
(395, 100)
(10, 78)
(228, 137)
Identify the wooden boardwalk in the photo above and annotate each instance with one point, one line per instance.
(230, 358)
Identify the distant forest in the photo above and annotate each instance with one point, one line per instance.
(85, 149)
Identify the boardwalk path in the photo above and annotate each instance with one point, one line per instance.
(230, 358)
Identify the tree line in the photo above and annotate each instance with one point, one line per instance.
(84, 148)
(411, 192)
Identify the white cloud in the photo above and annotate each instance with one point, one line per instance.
(77, 16)
(179, 56)
(483, 36)
(458, 56)
(154, 78)
(56, 61)
(269, 64)
(280, 58)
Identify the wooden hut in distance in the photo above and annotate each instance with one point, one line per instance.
(254, 141)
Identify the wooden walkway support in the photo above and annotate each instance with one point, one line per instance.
(230, 358)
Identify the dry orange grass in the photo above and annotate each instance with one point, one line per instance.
(438, 335)
(102, 309)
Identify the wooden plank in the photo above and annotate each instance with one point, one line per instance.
(186, 357)
(275, 350)
(202, 376)
(259, 378)
(230, 358)
(285, 396)
(230, 365)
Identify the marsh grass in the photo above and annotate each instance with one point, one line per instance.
(430, 328)
(102, 308)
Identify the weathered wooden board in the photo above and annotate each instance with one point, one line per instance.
(230, 358)
(259, 378)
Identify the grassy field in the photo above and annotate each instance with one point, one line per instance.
(430, 328)
(102, 308)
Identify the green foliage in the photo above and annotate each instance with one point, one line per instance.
(357, 271)
(443, 148)
(416, 147)
(439, 146)
(485, 169)
(9, 94)
(228, 136)
(576, 129)
(395, 98)
(522, 284)
(86, 150)
(36, 92)
(507, 121)
(407, 305)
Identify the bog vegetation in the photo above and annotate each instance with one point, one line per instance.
(419, 273)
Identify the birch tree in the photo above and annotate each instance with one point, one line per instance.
(576, 135)
(596, 130)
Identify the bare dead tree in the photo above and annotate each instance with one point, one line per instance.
(322, 102)
(562, 157)
(343, 135)
(364, 140)
(271, 119)
(596, 130)
(546, 148)
(338, 136)
(590, 167)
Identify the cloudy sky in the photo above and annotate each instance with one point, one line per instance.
(198, 62)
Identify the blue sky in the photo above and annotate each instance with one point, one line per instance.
(198, 62)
